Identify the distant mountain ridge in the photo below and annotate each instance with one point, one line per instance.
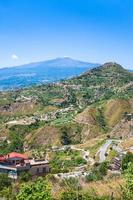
(57, 62)
(42, 72)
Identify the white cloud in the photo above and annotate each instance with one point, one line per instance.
(14, 57)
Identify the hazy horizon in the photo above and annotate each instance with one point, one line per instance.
(49, 59)
(60, 58)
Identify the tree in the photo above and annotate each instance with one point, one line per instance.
(65, 137)
(5, 181)
(98, 172)
(103, 168)
(67, 195)
(127, 159)
(127, 190)
(25, 176)
(37, 190)
(4, 147)
(71, 97)
(7, 194)
(16, 142)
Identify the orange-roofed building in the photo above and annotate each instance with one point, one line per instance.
(2, 158)
(14, 163)
(14, 155)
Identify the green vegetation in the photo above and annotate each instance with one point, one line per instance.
(128, 188)
(25, 176)
(71, 184)
(63, 119)
(23, 130)
(4, 147)
(112, 153)
(16, 144)
(4, 181)
(93, 149)
(126, 160)
(108, 89)
(71, 133)
(65, 139)
(39, 189)
(70, 112)
(64, 161)
(74, 195)
(101, 120)
(98, 172)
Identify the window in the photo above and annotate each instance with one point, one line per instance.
(44, 170)
(37, 170)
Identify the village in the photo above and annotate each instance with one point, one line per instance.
(13, 164)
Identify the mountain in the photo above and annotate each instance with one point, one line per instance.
(84, 107)
(60, 62)
(69, 120)
(42, 72)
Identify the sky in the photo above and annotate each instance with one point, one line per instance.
(90, 30)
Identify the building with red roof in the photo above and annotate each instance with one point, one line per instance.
(14, 163)
(15, 155)
(2, 158)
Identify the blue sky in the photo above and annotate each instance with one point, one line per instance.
(90, 30)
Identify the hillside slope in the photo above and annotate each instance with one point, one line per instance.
(72, 111)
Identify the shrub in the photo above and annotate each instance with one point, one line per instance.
(5, 181)
(98, 172)
(65, 138)
(80, 160)
(72, 183)
(67, 195)
(127, 159)
(25, 176)
(38, 189)
(127, 189)
(74, 195)
(103, 168)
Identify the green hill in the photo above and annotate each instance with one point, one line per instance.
(71, 111)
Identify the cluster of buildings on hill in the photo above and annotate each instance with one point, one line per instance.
(14, 164)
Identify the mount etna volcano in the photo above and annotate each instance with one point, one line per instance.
(42, 72)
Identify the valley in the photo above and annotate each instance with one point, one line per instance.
(83, 126)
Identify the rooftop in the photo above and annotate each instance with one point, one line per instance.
(13, 155)
(38, 162)
(17, 155)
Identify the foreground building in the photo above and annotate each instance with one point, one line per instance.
(15, 163)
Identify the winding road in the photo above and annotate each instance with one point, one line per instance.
(103, 149)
